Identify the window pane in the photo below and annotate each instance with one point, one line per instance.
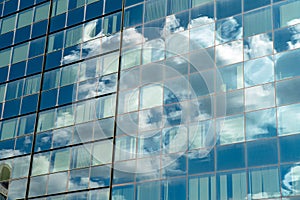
(41, 163)
(59, 6)
(259, 97)
(286, 13)
(154, 9)
(25, 18)
(288, 119)
(41, 12)
(60, 160)
(4, 57)
(232, 186)
(32, 85)
(20, 53)
(264, 183)
(287, 64)
(46, 120)
(69, 75)
(286, 92)
(231, 129)
(8, 24)
(73, 36)
(202, 188)
(251, 27)
(261, 124)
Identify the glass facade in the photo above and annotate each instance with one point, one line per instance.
(149, 99)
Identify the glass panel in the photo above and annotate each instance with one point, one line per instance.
(59, 6)
(286, 13)
(41, 12)
(73, 36)
(148, 191)
(259, 97)
(231, 156)
(60, 160)
(102, 152)
(20, 53)
(32, 85)
(9, 129)
(258, 46)
(57, 182)
(202, 188)
(8, 24)
(264, 183)
(286, 65)
(290, 180)
(69, 75)
(147, 94)
(125, 148)
(4, 57)
(81, 156)
(154, 9)
(288, 119)
(232, 186)
(229, 53)
(231, 129)
(25, 18)
(41, 163)
(251, 27)
(46, 120)
(286, 92)
(261, 124)
(21, 167)
(259, 71)
(231, 78)
(228, 8)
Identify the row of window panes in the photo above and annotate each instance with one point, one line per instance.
(11, 6)
(19, 88)
(22, 52)
(102, 107)
(15, 147)
(24, 18)
(17, 127)
(84, 71)
(256, 184)
(79, 133)
(71, 158)
(230, 129)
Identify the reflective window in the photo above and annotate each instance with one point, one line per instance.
(202, 187)
(264, 183)
(285, 92)
(232, 185)
(259, 97)
(261, 124)
(286, 13)
(231, 129)
(250, 22)
(286, 65)
(288, 119)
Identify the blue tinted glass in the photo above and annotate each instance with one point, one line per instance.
(112, 5)
(285, 65)
(94, 10)
(10, 6)
(26, 3)
(228, 8)
(66, 94)
(48, 99)
(75, 16)
(62, 137)
(176, 168)
(29, 104)
(234, 103)
(286, 91)
(230, 156)
(206, 10)
(39, 28)
(43, 141)
(100, 176)
(11, 108)
(202, 83)
(124, 176)
(201, 161)
(22, 34)
(7, 146)
(284, 40)
(127, 192)
(17, 70)
(27, 124)
(249, 4)
(261, 124)
(173, 189)
(286, 13)
(6, 39)
(77, 179)
(134, 16)
(132, 2)
(75, 4)
(34, 65)
(227, 184)
(262, 152)
(53, 59)
(36, 47)
(229, 29)
(3, 74)
(57, 22)
(289, 148)
(289, 179)
(23, 145)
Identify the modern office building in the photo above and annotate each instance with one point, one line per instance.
(150, 100)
